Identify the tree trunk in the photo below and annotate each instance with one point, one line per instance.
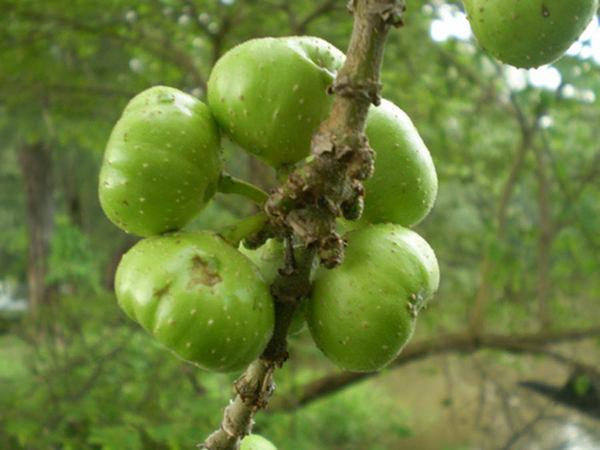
(545, 239)
(35, 161)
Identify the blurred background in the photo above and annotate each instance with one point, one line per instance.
(515, 228)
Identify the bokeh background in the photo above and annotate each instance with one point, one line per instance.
(506, 357)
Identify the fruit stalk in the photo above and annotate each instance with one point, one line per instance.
(311, 198)
(245, 228)
(255, 385)
(232, 185)
(330, 185)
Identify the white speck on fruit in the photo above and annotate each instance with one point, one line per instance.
(210, 322)
(193, 311)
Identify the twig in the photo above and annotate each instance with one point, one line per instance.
(330, 185)
(255, 386)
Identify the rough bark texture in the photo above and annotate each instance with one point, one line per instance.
(35, 161)
(304, 208)
(330, 186)
(255, 386)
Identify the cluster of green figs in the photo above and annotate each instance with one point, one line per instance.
(207, 299)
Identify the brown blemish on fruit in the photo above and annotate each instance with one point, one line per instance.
(163, 291)
(202, 273)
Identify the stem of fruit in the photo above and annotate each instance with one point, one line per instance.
(255, 386)
(244, 228)
(306, 205)
(330, 185)
(232, 185)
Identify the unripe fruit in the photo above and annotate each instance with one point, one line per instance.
(162, 162)
(529, 33)
(363, 312)
(256, 442)
(270, 94)
(199, 297)
(269, 258)
(404, 186)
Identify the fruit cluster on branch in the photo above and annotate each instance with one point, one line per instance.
(314, 195)
(330, 185)
(227, 301)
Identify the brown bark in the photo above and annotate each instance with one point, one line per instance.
(255, 386)
(35, 161)
(308, 203)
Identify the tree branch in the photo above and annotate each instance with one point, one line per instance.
(255, 386)
(305, 207)
(321, 9)
(450, 343)
(528, 133)
(329, 186)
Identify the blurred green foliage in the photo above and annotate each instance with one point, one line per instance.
(73, 262)
(94, 380)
